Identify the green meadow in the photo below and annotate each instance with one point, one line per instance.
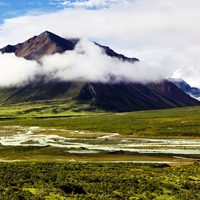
(90, 180)
(177, 122)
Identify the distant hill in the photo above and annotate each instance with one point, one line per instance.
(123, 96)
(192, 91)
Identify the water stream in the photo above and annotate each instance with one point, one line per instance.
(106, 144)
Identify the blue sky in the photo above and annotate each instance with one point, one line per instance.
(163, 34)
(13, 8)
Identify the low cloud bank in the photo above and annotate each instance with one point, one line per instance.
(190, 74)
(87, 62)
(15, 70)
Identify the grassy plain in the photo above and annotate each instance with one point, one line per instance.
(47, 108)
(75, 180)
(180, 122)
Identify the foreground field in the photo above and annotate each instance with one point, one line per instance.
(51, 180)
(40, 138)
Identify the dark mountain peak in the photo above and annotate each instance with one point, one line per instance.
(45, 34)
(55, 38)
(48, 43)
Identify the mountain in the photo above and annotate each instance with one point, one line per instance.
(39, 46)
(123, 96)
(48, 43)
(132, 96)
(180, 83)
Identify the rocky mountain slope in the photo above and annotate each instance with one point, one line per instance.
(192, 91)
(123, 96)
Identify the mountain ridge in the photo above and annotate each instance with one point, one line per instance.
(48, 43)
(38, 46)
(122, 96)
(183, 85)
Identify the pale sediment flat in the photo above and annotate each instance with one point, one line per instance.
(111, 143)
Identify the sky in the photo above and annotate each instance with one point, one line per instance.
(165, 35)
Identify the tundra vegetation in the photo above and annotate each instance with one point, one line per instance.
(72, 180)
(76, 180)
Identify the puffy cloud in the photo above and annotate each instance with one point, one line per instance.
(91, 3)
(190, 75)
(87, 62)
(15, 70)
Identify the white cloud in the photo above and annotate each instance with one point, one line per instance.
(16, 70)
(91, 3)
(80, 64)
(190, 74)
(162, 33)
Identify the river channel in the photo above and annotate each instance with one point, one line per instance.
(88, 146)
